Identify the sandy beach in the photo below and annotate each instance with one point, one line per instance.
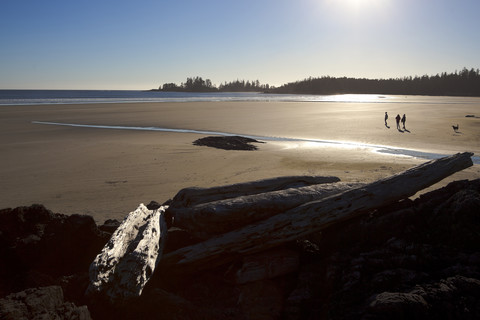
(106, 173)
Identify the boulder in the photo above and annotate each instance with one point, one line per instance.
(265, 265)
(416, 259)
(451, 298)
(37, 246)
(228, 143)
(110, 225)
(41, 303)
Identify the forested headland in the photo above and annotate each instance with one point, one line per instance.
(463, 83)
(198, 84)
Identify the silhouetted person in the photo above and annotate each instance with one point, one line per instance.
(386, 118)
(404, 118)
(398, 121)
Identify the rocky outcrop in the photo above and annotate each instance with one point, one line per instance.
(109, 225)
(386, 255)
(41, 303)
(455, 298)
(37, 246)
(228, 142)
(405, 258)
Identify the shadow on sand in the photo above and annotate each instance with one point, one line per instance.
(404, 130)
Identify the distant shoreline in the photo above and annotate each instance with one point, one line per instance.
(463, 83)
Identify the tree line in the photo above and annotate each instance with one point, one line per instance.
(463, 83)
(198, 84)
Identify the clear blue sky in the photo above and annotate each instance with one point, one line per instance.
(103, 44)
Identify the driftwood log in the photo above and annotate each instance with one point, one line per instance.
(313, 216)
(207, 219)
(188, 197)
(126, 263)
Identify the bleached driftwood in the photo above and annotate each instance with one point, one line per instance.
(216, 217)
(193, 196)
(126, 263)
(314, 216)
(264, 265)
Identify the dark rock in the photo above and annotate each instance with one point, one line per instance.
(452, 298)
(228, 143)
(41, 303)
(38, 246)
(398, 305)
(456, 221)
(418, 259)
(178, 238)
(110, 225)
(153, 205)
(422, 242)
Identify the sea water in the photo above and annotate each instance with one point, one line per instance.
(35, 97)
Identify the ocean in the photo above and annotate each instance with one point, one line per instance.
(40, 97)
(36, 97)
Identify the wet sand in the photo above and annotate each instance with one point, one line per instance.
(107, 172)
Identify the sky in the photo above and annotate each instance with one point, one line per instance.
(124, 44)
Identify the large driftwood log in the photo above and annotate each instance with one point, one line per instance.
(126, 263)
(314, 216)
(193, 196)
(216, 217)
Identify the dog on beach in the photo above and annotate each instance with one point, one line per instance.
(455, 128)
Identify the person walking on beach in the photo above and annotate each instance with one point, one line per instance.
(398, 121)
(404, 118)
(386, 118)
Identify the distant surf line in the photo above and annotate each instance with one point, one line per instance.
(374, 148)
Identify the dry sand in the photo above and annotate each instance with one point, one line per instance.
(106, 173)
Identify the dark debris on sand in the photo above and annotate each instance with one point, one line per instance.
(228, 143)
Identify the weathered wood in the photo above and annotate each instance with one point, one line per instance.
(264, 265)
(192, 196)
(126, 263)
(216, 217)
(314, 216)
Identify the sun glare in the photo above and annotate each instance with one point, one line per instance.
(359, 3)
(360, 7)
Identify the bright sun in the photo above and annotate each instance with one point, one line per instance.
(357, 7)
(356, 3)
